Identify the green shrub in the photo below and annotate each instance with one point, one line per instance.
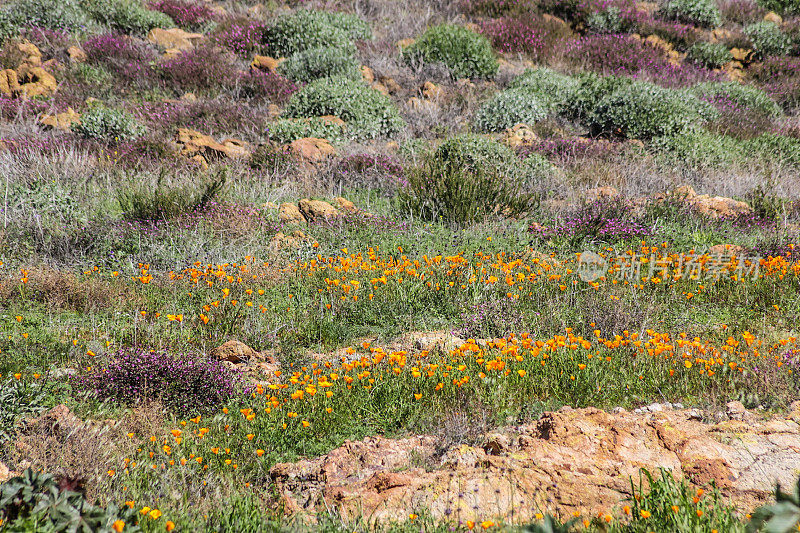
(607, 21)
(33, 501)
(126, 16)
(711, 55)
(465, 53)
(701, 12)
(367, 112)
(51, 14)
(107, 124)
(589, 90)
(768, 39)
(697, 149)
(747, 96)
(784, 7)
(644, 110)
(775, 148)
(303, 30)
(288, 130)
(355, 27)
(552, 88)
(510, 107)
(470, 177)
(322, 62)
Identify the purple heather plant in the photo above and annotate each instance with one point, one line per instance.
(214, 116)
(201, 68)
(373, 171)
(780, 78)
(243, 36)
(129, 60)
(187, 383)
(741, 11)
(494, 8)
(186, 14)
(623, 55)
(266, 84)
(567, 150)
(513, 35)
(605, 219)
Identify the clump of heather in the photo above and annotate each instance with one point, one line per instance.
(17, 108)
(186, 14)
(570, 149)
(512, 35)
(185, 383)
(127, 59)
(780, 78)
(623, 55)
(266, 84)
(219, 115)
(776, 246)
(202, 68)
(621, 12)
(242, 36)
(678, 34)
(605, 219)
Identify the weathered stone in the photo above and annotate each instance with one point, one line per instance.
(314, 210)
(196, 143)
(367, 74)
(577, 460)
(76, 54)
(345, 205)
(311, 150)
(61, 121)
(265, 63)
(175, 39)
(233, 351)
(290, 214)
(519, 135)
(431, 91)
(774, 18)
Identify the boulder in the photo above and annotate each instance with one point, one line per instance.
(175, 39)
(431, 91)
(290, 214)
(346, 205)
(5, 473)
(316, 210)
(405, 43)
(311, 150)
(76, 54)
(233, 352)
(195, 143)
(61, 121)
(266, 63)
(727, 249)
(571, 461)
(367, 74)
(600, 193)
(519, 135)
(774, 18)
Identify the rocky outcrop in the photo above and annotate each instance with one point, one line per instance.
(194, 144)
(61, 121)
(317, 210)
(569, 461)
(233, 352)
(29, 78)
(310, 150)
(710, 206)
(174, 40)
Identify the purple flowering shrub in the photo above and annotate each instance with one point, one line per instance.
(241, 35)
(780, 78)
(623, 55)
(741, 11)
(128, 60)
(605, 219)
(184, 13)
(570, 150)
(219, 115)
(266, 84)
(512, 35)
(185, 383)
(201, 68)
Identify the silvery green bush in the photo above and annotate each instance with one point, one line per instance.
(368, 113)
(321, 62)
(701, 12)
(746, 96)
(108, 124)
(644, 110)
(510, 107)
(768, 39)
(465, 53)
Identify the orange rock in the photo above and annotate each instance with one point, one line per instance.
(311, 150)
(175, 39)
(61, 121)
(195, 143)
(76, 54)
(290, 214)
(233, 352)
